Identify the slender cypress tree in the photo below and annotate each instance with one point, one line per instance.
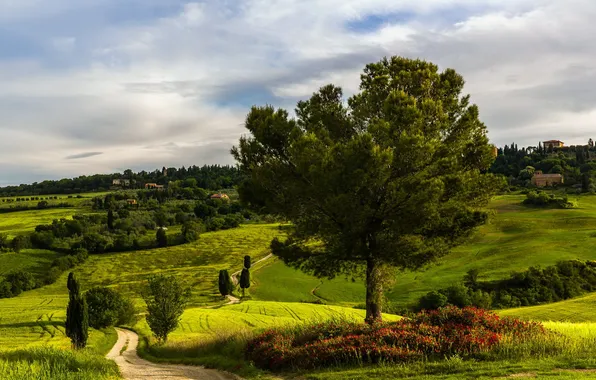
(245, 275)
(77, 316)
(244, 280)
(110, 220)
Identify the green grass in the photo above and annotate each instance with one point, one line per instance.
(202, 323)
(35, 261)
(33, 344)
(196, 265)
(216, 337)
(19, 222)
(516, 238)
(582, 309)
(37, 316)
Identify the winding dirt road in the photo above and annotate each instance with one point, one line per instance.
(132, 367)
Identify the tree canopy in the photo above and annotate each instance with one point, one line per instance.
(395, 177)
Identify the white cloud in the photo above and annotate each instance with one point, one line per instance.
(162, 90)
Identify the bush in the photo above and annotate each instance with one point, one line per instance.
(542, 199)
(20, 281)
(19, 243)
(434, 334)
(108, 308)
(191, 231)
(161, 238)
(432, 300)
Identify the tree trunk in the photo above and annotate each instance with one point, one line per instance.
(374, 292)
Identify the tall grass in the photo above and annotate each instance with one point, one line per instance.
(55, 364)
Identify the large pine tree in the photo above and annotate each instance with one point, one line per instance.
(394, 177)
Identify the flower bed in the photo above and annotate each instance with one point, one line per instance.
(428, 334)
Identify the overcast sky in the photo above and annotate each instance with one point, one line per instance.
(97, 86)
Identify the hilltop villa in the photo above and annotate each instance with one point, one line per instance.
(553, 144)
(541, 180)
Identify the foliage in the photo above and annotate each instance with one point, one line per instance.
(445, 332)
(191, 231)
(107, 308)
(161, 238)
(543, 199)
(19, 243)
(213, 177)
(166, 299)
(16, 282)
(225, 284)
(393, 179)
(77, 317)
(247, 262)
(566, 279)
(244, 279)
(575, 163)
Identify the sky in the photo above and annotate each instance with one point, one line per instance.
(99, 86)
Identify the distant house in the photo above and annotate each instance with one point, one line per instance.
(220, 196)
(131, 201)
(541, 180)
(154, 186)
(121, 182)
(553, 144)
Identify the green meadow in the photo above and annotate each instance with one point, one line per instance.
(516, 238)
(19, 222)
(32, 324)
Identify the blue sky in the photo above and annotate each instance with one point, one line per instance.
(100, 85)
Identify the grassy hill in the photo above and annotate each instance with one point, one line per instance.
(516, 238)
(582, 309)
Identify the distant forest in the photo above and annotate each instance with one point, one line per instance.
(577, 164)
(210, 177)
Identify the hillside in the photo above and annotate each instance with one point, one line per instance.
(36, 318)
(516, 238)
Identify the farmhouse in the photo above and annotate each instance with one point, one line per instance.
(220, 196)
(542, 180)
(121, 182)
(131, 201)
(154, 186)
(553, 144)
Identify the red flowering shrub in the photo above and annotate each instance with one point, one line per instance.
(428, 334)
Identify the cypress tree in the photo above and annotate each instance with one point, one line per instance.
(247, 262)
(161, 238)
(225, 283)
(77, 316)
(110, 220)
(244, 280)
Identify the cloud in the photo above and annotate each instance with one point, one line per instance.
(169, 82)
(83, 155)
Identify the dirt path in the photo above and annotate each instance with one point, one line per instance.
(132, 367)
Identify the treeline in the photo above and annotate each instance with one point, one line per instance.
(577, 164)
(211, 177)
(566, 279)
